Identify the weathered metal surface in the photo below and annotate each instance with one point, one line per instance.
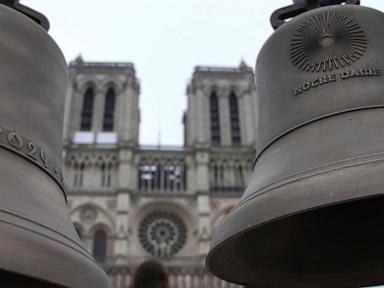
(32, 14)
(279, 17)
(39, 246)
(313, 210)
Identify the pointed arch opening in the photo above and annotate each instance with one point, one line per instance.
(103, 175)
(87, 110)
(75, 175)
(100, 245)
(81, 175)
(215, 118)
(234, 115)
(109, 175)
(109, 110)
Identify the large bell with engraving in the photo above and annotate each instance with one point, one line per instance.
(313, 213)
(38, 244)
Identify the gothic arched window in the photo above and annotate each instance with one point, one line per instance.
(234, 114)
(109, 174)
(109, 110)
(106, 175)
(214, 175)
(157, 172)
(103, 175)
(86, 113)
(215, 118)
(239, 175)
(75, 175)
(81, 175)
(100, 245)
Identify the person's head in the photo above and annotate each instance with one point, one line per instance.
(150, 274)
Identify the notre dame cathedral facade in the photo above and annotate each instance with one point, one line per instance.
(130, 203)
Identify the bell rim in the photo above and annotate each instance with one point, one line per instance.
(49, 255)
(222, 240)
(228, 243)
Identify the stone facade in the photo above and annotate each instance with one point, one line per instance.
(130, 203)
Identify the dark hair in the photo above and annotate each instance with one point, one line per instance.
(150, 274)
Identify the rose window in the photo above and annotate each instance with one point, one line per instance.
(162, 234)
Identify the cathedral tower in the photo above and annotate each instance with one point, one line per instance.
(221, 107)
(129, 202)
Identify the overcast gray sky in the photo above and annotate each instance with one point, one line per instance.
(165, 39)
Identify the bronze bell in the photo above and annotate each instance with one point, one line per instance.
(38, 244)
(313, 213)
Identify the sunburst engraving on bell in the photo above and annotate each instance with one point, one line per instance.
(327, 41)
(312, 212)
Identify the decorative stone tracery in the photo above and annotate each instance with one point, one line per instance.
(88, 214)
(99, 166)
(167, 175)
(162, 234)
(229, 174)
